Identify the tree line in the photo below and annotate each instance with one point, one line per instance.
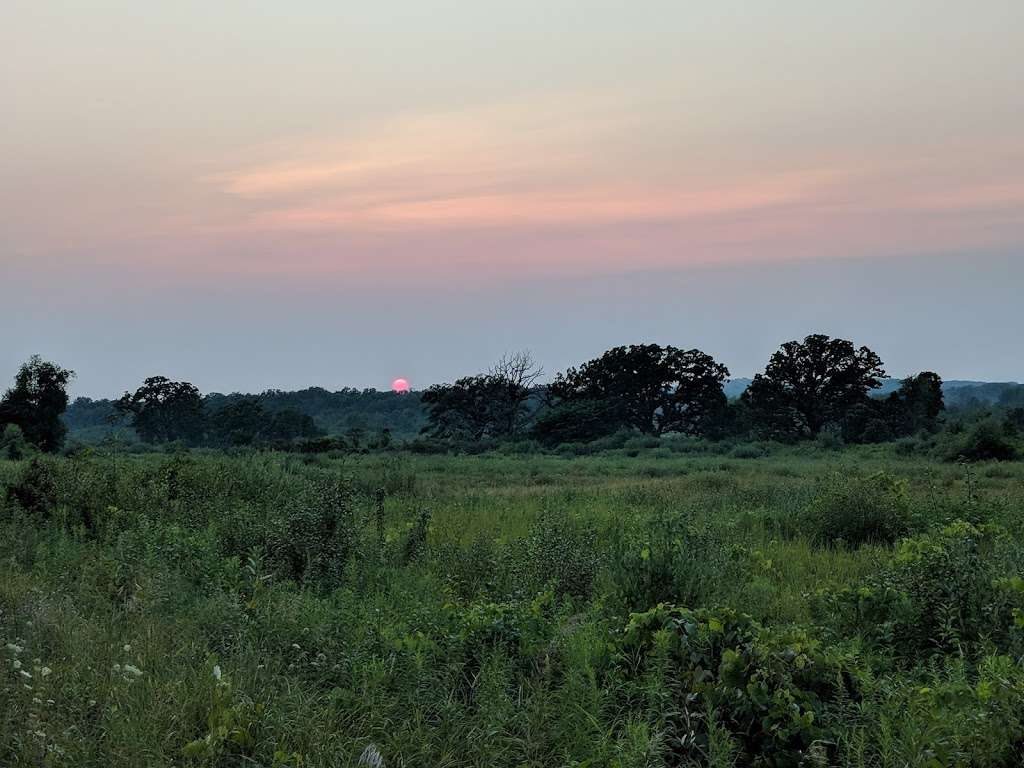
(808, 387)
(159, 411)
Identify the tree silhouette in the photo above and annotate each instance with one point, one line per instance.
(36, 401)
(471, 408)
(916, 405)
(650, 388)
(811, 384)
(162, 410)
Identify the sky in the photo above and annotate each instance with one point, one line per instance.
(255, 194)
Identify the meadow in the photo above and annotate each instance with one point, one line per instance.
(652, 606)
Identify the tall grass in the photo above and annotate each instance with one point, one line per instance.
(852, 608)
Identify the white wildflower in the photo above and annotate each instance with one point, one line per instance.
(17, 664)
(216, 672)
(45, 671)
(131, 669)
(127, 648)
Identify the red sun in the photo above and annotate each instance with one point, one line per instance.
(400, 385)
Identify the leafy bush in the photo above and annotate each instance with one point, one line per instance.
(749, 451)
(951, 713)
(985, 441)
(13, 445)
(671, 559)
(853, 511)
(940, 592)
(36, 490)
(778, 694)
(559, 554)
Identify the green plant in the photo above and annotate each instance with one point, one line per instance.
(775, 692)
(855, 510)
(233, 724)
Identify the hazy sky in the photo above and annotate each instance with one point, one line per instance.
(257, 194)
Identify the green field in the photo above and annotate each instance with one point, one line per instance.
(831, 608)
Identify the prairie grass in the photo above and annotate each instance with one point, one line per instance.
(257, 610)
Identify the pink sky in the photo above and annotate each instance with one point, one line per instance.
(407, 146)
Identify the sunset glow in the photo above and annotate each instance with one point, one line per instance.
(336, 158)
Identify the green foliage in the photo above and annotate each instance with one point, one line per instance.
(916, 405)
(987, 440)
(35, 403)
(776, 693)
(163, 411)
(582, 420)
(246, 422)
(232, 727)
(494, 630)
(942, 591)
(859, 510)
(672, 559)
(36, 490)
(13, 445)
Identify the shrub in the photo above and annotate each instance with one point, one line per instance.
(749, 451)
(36, 490)
(641, 442)
(558, 553)
(673, 560)
(985, 441)
(776, 692)
(941, 591)
(13, 445)
(856, 511)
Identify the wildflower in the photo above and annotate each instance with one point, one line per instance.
(15, 649)
(216, 672)
(127, 648)
(17, 664)
(45, 671)
(131, 669)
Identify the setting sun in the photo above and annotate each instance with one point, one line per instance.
(400, 385)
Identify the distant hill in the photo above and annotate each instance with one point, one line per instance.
(958, 393)
(735, 387)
